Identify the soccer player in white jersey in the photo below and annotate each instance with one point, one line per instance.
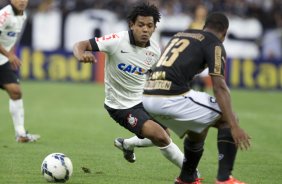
(130, 55)
(12, 18)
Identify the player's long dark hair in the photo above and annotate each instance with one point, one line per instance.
(217, 21)
(144, 9)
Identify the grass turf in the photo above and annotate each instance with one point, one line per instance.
(71, 119)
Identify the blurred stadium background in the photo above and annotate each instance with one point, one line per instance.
(68, 111)
(253, 43)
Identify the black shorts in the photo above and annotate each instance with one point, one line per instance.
(132, 119)
(7, 75)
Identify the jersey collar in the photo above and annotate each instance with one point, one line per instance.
(16, 12)
(132, 40)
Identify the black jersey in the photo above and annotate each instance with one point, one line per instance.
(187, 54)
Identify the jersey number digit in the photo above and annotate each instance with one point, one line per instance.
(175, 47)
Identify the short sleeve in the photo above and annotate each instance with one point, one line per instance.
(4, 19)
(109, 43)
(216, 57)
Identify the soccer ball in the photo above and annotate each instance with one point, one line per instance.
(56, 167)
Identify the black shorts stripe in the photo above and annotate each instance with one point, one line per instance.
(205, 106)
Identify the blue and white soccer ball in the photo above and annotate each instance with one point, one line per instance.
(56, 167)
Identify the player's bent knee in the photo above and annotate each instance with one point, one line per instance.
(14, 91)
(15, 95)
(155, 133)
(224, 134)
(221, 123)
(161, 140)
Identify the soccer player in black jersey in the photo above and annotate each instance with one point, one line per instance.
(169, 99)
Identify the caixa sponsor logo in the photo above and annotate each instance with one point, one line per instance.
(131, 69)
(12, 34)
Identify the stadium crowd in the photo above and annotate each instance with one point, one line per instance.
(269, 13)
(267, 34)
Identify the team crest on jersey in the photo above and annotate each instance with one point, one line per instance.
(149, 58)
(212, 100)
(132, 120)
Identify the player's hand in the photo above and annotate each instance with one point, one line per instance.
(241, 138)
(88, 57)
(15, 61)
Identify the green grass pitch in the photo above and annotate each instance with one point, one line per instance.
(71, 119)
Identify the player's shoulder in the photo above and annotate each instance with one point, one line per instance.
(112, 36)
(200, 35)
(7, 7)
(6, 11)
(154, 43)
(207, 39)
(211, 38)
(120, 34)
(155, 46)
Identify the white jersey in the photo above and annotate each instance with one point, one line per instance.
(10, 28)
(126, 68)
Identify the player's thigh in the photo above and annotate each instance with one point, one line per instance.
(13, 90)
(7, 74)
(200, 111)
(200, 107)
(10, 83)
(9, 80)
(193, 111)
(132, 119)
(192, 106)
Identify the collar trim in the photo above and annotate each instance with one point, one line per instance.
(16, 12)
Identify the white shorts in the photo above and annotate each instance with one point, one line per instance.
(204, 73)
(192, 111)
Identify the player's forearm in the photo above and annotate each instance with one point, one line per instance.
(223, 99)
(4, 52)
(78, 50)
(12, 50)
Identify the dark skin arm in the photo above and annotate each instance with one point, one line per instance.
(222, 94)
(14, 60)
(81, 51)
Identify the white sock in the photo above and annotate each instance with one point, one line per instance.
(173, 154)
(17, 112)
(137, 142)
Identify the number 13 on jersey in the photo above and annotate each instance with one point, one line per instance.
(171, 53)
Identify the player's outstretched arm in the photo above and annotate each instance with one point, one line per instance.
(223, 98)
(81, 51)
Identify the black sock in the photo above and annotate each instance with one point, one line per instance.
(226, 154)
(193, 152)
